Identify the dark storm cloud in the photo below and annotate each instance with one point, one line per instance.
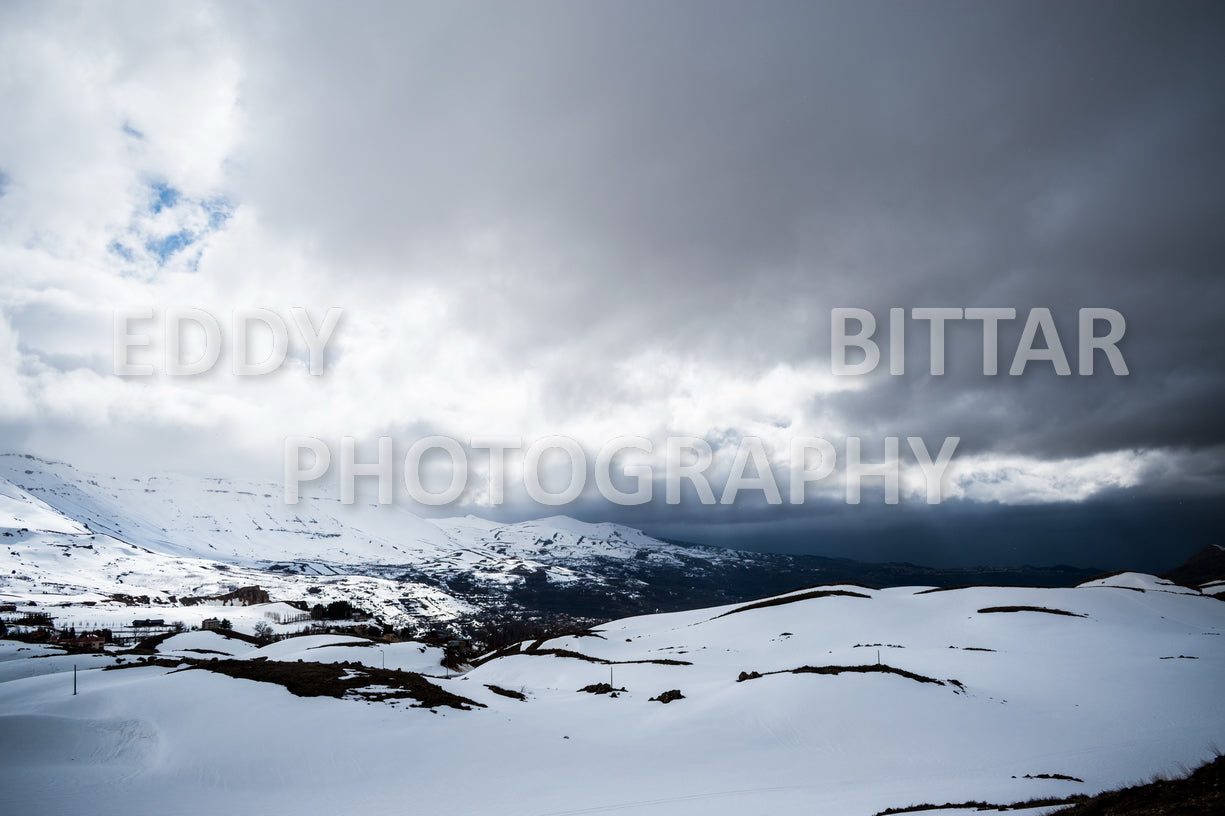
(1110, 532)
(715, 177)
(668, 134)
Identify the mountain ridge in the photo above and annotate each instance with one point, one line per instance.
(167, 535)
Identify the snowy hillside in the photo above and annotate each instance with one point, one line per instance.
(836, 700)
(91, 536)
(165, 536)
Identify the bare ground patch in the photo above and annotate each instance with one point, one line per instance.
(535, 650)
(341, 680)
(514, 695)
(1048, 610)
(867, 669)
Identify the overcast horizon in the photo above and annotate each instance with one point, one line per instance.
(634, 219)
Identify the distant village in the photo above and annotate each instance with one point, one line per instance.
(33, 623)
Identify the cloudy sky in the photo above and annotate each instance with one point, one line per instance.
(633, 219)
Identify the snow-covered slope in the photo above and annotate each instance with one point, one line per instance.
(223, 518)
(906, 696)
(406, 656)
(559, 538)
(1138, 580)
(167, 536)
(73, 536)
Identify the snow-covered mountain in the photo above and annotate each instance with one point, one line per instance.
(835, 700)
(166, 537)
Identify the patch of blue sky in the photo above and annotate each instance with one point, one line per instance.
(164, 196)
(121, 251)
(219, 211)
(129, 130)
(162, 248)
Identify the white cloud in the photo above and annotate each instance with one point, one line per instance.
(221, 157)
(1027, 480)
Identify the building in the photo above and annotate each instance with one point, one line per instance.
(89, 643)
